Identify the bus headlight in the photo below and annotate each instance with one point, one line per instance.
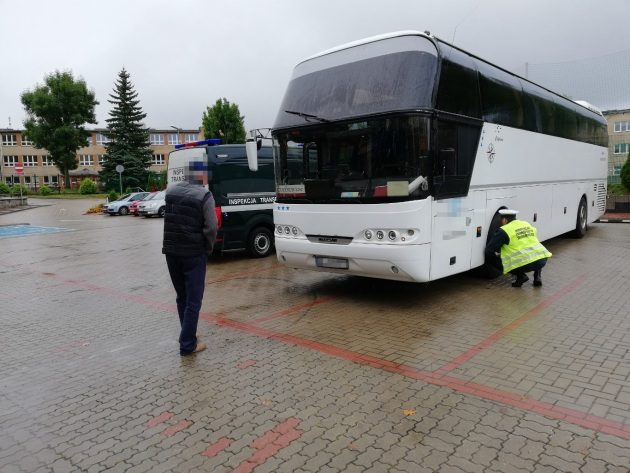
(294, 231)
(279, 229)
(368, 234)
(380, 235)
(287, 230)
(392, 235)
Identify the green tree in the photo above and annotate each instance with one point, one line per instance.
(625, 173)
(56, 114)
(128, 139)
(223, 120)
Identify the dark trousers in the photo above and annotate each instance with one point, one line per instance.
(188, 275)
(535, 266)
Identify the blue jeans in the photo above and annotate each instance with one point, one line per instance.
(188, 275)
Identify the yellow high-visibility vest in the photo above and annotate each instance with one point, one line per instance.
(523, 248)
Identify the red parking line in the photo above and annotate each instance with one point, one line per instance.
(291, 310)
(270, 443)
(246, 364)
(181, 425)
(530, 314)
(217, 447)
(163, 417)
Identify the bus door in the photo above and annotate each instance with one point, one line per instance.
(454, 215)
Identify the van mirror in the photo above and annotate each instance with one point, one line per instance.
(251, 146)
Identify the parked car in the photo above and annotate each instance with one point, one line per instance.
(155, 206)
(121, 206)
(133, 208)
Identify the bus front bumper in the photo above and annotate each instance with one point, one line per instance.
(383, 261)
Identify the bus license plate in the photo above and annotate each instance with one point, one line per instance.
(327, 262)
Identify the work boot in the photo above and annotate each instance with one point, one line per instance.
(537, 279)
(520, 280)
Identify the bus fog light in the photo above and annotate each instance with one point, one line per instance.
(368, 234)
(410, 232)
(380, 235)
(394, 270)
(392, 235)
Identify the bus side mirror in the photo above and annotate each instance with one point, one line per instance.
(251, 146)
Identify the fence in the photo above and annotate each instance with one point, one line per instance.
(618, 203)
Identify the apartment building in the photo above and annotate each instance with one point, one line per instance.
(618, 142)
(39, 169)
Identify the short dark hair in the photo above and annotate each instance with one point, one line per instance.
(509, 218)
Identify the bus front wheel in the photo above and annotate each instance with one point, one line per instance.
(260, 242)
(581, 222)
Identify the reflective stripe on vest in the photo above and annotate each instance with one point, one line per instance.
(523, 248)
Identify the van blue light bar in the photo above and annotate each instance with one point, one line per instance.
(208, 142)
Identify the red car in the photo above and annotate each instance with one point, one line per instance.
(133, 207)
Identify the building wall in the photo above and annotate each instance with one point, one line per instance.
(618, 142)
(38, 170)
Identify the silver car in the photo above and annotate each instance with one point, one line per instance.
(121, 206)
(154, 206)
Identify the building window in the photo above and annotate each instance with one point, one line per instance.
(88, 141)
(9, 140)
(29, 161)
(47, 161)
(173, 139)
(191, 137)
(85, 160)
(621, 148)
(27, 181)
(26, 141)
(157, 159)
(101, 159)
(10, 161)
(10, 180)
(101, 139)
(156, 139)
(51, 180)
(622, 126)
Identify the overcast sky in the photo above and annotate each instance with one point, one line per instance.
(183, 55)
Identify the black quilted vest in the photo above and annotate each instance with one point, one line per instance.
(183, 221)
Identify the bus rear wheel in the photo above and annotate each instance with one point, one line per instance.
(581, 222)
(260, 242)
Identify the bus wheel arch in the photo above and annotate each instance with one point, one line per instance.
(581, 220)
(491, 271)
(260, 241)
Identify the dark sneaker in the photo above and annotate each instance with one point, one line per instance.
(537, 282)
(520, 280)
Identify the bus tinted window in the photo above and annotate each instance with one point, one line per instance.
(501, 96)
(458, 91)
(397, 81)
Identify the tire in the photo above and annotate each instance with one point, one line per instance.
(123, 211)
(162, 212)
(581, 221)
(490, 271)
(260, 242)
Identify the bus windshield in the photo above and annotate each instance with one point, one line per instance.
(381, 159)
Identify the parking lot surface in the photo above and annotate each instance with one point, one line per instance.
(305, 371)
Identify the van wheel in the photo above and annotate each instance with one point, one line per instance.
(260, 242)
(581, 222)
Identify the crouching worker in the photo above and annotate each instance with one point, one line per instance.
(190, 229)
(521, 252)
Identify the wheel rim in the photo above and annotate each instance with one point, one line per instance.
(124, 211)
(261, 243)
(582, 216)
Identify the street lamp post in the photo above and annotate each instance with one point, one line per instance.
(178, 130)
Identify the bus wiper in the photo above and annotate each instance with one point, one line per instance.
(308, 116)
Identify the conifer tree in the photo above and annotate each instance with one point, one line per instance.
(128, 139)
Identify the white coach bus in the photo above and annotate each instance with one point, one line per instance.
(394, 154)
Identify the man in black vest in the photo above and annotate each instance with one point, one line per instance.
(190, 229)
